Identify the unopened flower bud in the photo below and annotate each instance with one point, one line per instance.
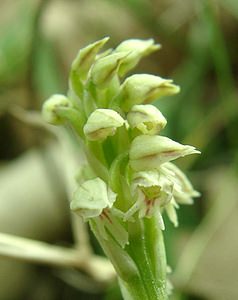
(149, 152)
(91, 198)
(102, 123)
(104, 69)
(144, 88)
(146, 118)
(138, 49)
(85, 58)
(51, 108)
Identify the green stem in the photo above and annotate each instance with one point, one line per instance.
(147, 250)
(141, 265)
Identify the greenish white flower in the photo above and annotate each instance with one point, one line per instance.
(102, 123)
(138, 49)
(93, 201)
(144, 88)
(105, 68)
(146, 118)
(153, 192)
(149, 152)
(91, 198)
(51, 108)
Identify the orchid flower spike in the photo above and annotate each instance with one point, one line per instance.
(127, 181)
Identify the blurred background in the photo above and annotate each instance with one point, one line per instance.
(38, 41)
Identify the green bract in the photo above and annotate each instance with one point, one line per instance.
(128, 181)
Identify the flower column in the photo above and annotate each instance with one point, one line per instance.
(128, 181)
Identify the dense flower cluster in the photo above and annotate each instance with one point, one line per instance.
(128, 181)
(129, 173)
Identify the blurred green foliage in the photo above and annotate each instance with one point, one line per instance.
(38, 40)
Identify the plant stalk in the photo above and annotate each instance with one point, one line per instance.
(141, 265)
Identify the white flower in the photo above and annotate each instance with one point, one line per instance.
(152, 192)
(91, 198)
(93, 201)
(102, 123)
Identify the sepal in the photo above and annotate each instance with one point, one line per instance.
(144, 89)
(102, 123)
(183, 189)
(149, 152)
